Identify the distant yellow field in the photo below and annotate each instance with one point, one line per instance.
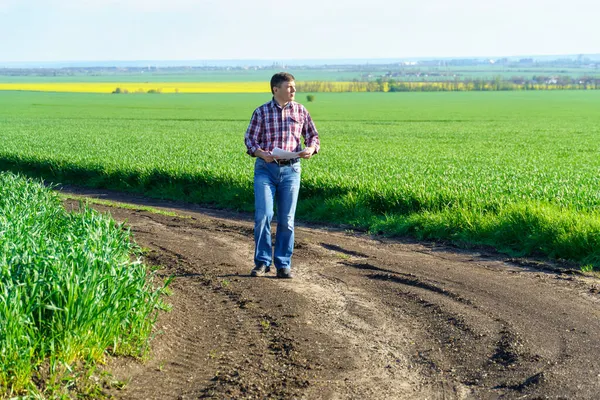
(162, 87)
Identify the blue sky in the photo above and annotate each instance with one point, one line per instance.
(96, 30)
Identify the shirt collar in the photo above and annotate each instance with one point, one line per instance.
(276, 104)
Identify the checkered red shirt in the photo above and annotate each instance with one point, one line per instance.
(272, 126)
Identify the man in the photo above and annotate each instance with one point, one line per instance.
(280, 123)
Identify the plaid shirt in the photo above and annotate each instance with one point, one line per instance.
(272, 126)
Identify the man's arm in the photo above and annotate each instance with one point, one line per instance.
(311, 138)
(255, 127)
(307, 152)
(265, 155)
(252, 133)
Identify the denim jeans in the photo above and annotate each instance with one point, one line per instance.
(279, 186)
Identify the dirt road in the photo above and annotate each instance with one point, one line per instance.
(364, 318)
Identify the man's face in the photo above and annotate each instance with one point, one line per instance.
(285, 92)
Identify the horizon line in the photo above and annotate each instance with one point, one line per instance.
(271, 61)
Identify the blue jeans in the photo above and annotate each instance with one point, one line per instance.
(274, 184)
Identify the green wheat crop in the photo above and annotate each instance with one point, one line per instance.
(515, 170)
(70, 289)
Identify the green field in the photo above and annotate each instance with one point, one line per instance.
(515, 170)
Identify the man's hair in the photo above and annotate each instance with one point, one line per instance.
(279, 78)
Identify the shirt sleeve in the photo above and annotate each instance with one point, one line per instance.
(252, 133)
(309, 131)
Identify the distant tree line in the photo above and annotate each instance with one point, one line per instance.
(151, 91)
(468, 84)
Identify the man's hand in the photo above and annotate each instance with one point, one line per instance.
(307, 152)
(268, 157)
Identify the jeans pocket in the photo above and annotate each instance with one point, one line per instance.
(259, 164)
(297, 167)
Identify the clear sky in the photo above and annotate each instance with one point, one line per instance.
(97, 30)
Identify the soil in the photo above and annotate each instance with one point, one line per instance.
(364, 317)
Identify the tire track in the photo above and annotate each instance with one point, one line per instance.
(363, 319)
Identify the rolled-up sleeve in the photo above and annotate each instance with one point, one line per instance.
(310, 134)
(252, 133)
